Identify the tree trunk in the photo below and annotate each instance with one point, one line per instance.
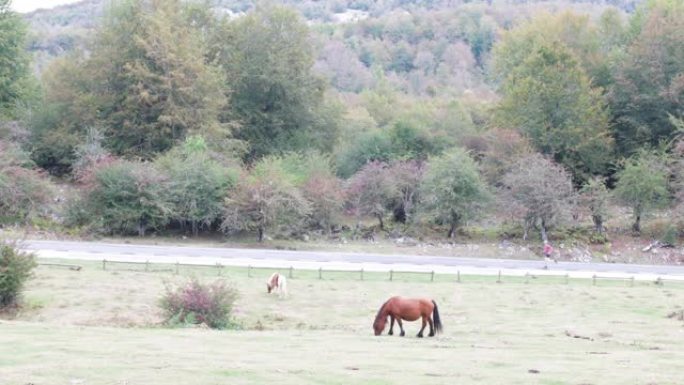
(195, 228)
(142, 225)
(260, 231)
(382, 224)
(453, 224)
(598, 223)
(637, 224)
(452, 230)
(543, 231)
(637, 220)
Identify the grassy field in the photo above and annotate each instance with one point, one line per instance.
(103, 327)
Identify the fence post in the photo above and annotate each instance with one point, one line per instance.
(249, 271)
(432, 276)
(498, 279)
(527, 277)
(291, 273)
(631, 282)
(320, 273)
(567, 278)
(177, 267)
(104, 264)
(458, 276)
(659, 281)
(362, 273)
(391, 272)
(218, 269)
(593, 280)
(147, 265)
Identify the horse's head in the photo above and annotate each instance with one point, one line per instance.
(268, 287)
(379, 325)
(380, 320)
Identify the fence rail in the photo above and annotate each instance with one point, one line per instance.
(392, 273)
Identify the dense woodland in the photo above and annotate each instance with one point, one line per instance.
(313, 117)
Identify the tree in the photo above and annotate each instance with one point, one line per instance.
(538, 191)
(278, 102)
(14, 62)
(371, 191)
(264, 199)
(406, 176)
(502, 150)
(154, 85)
(197, 184)
(453, 191)
(649, 80)
(576, 33)
(595, 196)
(549, 98)
(372, 146)
(67, 111)
(145, 83)
(643, 184)
(313, 175)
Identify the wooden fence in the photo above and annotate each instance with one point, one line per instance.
(392, 274)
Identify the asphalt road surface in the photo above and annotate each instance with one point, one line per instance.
(341, 260)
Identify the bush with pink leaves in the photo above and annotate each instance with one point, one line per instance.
(199, 303)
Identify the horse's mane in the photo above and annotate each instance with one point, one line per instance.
(378, 316)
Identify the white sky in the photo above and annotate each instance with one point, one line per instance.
(32, 5)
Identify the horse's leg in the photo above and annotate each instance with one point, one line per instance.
(401, 327)
(391, 331)
(432, 327)
(420, 333)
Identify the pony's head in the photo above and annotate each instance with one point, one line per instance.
(379, 325)
(269, 287)
(380, 320)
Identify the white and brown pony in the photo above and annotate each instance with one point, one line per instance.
(277, 284)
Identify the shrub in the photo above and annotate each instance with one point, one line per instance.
(15, 269)
(373, 146)
(197, 184)
(406, 176)
(129, 197)
(643, 184)
(265, 198)
(594, 196)
(198, 303)
(539, 192)
(452, 190)
(371, 191)
(23, 193)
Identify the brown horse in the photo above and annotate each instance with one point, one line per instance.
(408, 309)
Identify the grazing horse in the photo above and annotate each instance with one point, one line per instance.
(408, 309)
(277, 284)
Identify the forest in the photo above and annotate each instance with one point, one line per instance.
(426, 118)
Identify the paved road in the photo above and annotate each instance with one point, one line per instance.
(339, 260)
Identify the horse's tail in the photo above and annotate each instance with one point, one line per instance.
(436, 319)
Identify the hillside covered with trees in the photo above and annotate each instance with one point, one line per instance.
(363, 117)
